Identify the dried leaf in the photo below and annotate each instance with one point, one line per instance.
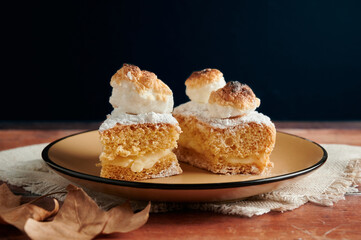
(81, 218)
(122, 219)
(11, 212)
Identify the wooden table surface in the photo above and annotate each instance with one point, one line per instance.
(341, 221)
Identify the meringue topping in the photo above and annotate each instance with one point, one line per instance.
(138, 91)
(201, 83)
(234, 99)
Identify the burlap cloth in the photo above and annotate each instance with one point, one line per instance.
(325, 186)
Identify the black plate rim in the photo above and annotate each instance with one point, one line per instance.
(198, 186)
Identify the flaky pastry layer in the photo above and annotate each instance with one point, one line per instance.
(138, 139)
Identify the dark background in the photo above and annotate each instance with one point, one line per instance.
(302, 58)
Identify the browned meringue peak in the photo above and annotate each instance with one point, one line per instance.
(139, 91)
(200, 84)
(233, 99)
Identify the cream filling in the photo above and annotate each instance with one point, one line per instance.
(260, 159)
(248, 160)
(138, 163)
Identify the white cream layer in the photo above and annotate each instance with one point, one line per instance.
(218, 111)
(138, 163)
(201, 94)
(200, 111)
(117, 116)
(126, 98)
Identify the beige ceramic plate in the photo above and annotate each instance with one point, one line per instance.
(75, 158)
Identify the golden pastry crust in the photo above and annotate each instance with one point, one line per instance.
(235, 94)
(138, 139)
(212, 148)
(143, 80)
(203, 77)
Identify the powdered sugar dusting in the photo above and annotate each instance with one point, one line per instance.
(200, 111)
(129, 74)
(120, 117)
